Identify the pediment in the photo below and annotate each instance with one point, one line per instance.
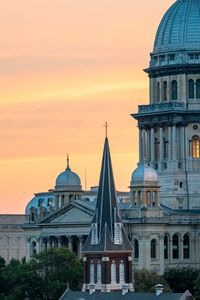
(74, 215)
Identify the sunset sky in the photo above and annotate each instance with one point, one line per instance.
(66, 67)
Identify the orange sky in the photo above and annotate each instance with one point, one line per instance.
(66, 67)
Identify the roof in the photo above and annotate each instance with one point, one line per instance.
(179, 29)
(69, 295)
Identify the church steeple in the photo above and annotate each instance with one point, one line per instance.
(107, 248)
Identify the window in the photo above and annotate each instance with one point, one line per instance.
(196, 55)
(166, 247)
(94, 236)
(175, 246)
(118, 233)
(198, 88)
(34, 250)
(158, 91)
(92, 272)
(99, 272)
(121, 272)
(153, 248)
(113, 272)
(164, 90)
(186, 246)
(136, 249)
(195, 146)
(162, 58)
(171, 57)
(174, 93)
(191, 56)
(191, 88)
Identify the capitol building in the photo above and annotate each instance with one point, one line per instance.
(161, 211)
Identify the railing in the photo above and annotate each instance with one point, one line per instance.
(173, 105)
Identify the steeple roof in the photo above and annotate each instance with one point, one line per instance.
(107, 214)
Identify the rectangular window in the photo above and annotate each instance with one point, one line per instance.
(171, 57)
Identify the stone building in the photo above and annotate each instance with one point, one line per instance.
(161, 214)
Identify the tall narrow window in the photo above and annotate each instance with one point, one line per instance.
(198, 88)
(136, 249)
(92, 272)
(158, 91)
(94, 236)
(164, 90)
(166, 247)
(174, 91)
(153, 248)
(186, 246)
(113, 272)
(118, 234)
(195, 146)
(34, 249)
(121, 272)
(175, 246)
(99, 272)
(191, 88)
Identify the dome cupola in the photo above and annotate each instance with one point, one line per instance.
(68, 180)
(144, 173)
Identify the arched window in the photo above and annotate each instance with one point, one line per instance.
(175, 246)
(121, 272)
(166, 247)
(92, 272)
(113, 272)
(99, 272)
(198, 88)
(153, 248)
(191, 88)
(34, 249)
(164, 91)
(136, 249)
(195, 146)
(158, 91)
(186, 246)
(174, 91)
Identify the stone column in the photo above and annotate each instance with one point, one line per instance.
(70, 246)
(152, 146)
(161, 249)
(37, 245)
(53, 242)
(181, 248)
(28, 248)
(161, 156)
(80, 238)
(59, 239)
(169, 143)
(48, 242)
(41, 244)
(174, 142)
(140, 145)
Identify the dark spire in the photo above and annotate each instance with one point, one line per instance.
(106, 199)
(104, 234)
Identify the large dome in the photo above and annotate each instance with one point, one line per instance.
(179, 28)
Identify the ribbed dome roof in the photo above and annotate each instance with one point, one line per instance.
(179, 28)
(68, 178)
(144, 173)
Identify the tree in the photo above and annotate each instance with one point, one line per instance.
(197, 287)
(58, 268)
(145, 281)
(181, 279)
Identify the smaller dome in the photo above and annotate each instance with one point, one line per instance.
(68, 178)
(144, 173)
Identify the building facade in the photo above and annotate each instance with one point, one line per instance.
(161, 214)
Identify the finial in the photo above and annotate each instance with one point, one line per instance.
(106, 129)
(67, 161)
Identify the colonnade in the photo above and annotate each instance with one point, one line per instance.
(43, 243)
(162, 144)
